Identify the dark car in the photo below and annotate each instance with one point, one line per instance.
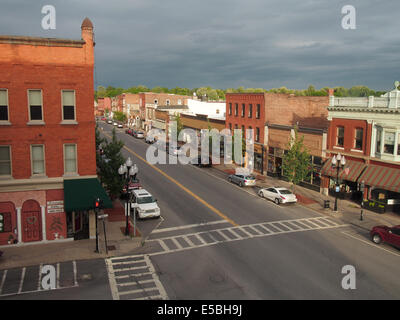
(201, 164)
(133, 185)
(128, 131)
(390, 235)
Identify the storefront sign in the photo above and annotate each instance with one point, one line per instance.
(55, 206)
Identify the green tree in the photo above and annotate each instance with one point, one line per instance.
(109, 165)
(119, 116)
(178, 126)
(296, 162)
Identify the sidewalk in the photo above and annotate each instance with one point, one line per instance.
(348, 212)
(68, 250)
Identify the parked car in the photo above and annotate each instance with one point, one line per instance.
(115, 123)
(120, 125)
(128, 131)
(278, 195)
(242, 180)
(150, 139)
(103, 119)
(133, 185)
(203, 164)
(139, 134)
(109, 121)
(145, 204)
(390, 235)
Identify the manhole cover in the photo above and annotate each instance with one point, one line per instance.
(111, 248)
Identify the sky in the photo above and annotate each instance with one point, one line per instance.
(226, 43)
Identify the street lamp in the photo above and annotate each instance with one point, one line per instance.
(338, 162)
(127, 171)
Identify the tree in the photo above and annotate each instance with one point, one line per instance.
(119, 116)
(109, 165)
(178, 127)
(296, 162)
(99, 141)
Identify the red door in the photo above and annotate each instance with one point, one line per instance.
(31, 221)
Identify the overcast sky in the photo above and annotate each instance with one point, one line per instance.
(226, 43)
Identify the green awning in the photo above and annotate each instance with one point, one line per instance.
(80, 194)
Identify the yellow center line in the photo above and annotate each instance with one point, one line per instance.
(212, 208)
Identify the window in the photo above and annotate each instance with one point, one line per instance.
(5, 222)
(258, 111)
(358, 139)
(5, 161)
(236, 109)
(398, 145)
(3, 105)
(35, 104)
(257, 134)
(155, 102)
(236, 126)
(217, 112)
(37, 152)
(388, 146)
(168, 102)
(250, 135)
(340, 136)
(242, 129)
(243, 109)
(230, 109)
(230, 127)
(250, 110)
(70, 158)
(378, 141)
(179, 101)
(68, 102)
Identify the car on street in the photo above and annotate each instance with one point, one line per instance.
(242, 180)
(139, 134)
(278, 195)
(115, 123)
(128, 131)
(109, 121)
(144, 204)
(120, 125)
(150, 139)
(389, 235)
(103, 119)
(203, 164)
(134, 184)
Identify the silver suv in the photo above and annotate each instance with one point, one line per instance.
(242, 180)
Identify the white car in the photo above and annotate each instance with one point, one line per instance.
(109, 121)
(278, 195)
(115, 124)
(145, 204)
(120, 125)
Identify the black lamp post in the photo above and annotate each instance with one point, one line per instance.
(338, 162)
(127, 171)
(362, 187)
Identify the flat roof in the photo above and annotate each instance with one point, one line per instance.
(51, 42)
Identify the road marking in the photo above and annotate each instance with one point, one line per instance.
(209, 206)
(75, 273)
(178, 245)
(22, 280)
(40, 277)
(369, 243)
(188, 226)
(188, 241)
(3, 280)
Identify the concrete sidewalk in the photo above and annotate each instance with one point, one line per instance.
(348, 212)
(68, 250)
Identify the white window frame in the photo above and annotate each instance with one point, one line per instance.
(76, 159)
(7, 176)
(6, 122)
(69, 121)
(44, 160)
(35, 122)
(383, 142)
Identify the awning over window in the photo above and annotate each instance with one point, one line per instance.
(80, 194)
(382, 177)
(350, 172)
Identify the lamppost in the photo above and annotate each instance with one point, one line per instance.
(338, 162)
(127, 171)
(362, 187)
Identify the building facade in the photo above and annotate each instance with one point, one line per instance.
(46, 135)
(367, 132)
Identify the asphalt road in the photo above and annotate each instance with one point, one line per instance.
(218, 241)
(292, 265)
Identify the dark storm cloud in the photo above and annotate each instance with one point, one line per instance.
(255, 43)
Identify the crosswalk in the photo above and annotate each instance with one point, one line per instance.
(37, 278)
(134, 278)
(206, 238)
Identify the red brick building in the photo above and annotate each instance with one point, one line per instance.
(367, 132)
(273, 117)
(46, 136)
(103, 104)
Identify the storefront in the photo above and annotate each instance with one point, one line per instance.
(259, 151)
(313, 179)
(383, 185)
(275, 160)
(346, 177)
(80, 195)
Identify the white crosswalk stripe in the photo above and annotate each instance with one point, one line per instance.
(246, 232)
(137, 282)
(29, 279)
